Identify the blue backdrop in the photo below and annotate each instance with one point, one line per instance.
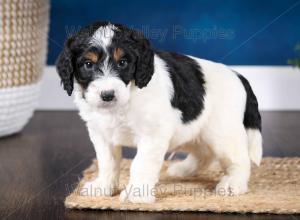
(248, 32)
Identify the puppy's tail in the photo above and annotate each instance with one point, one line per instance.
(252, 123)
(255, 145)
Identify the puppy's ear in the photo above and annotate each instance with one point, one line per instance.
(145, 57)
(64, 67)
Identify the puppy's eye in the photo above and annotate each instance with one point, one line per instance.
(122, 63)
(88, 64)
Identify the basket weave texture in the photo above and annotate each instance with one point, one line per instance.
(23, 46)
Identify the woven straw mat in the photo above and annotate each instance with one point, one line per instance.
(274, 187)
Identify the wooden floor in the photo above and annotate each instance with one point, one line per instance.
(40, 166)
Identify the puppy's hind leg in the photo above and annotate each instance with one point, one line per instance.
(200, 157)
(184, 168)
(233, 155)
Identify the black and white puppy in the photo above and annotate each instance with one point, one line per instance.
(129, 94)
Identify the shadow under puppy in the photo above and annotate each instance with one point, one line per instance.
(130, 94)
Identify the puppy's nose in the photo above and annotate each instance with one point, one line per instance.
(107, 95)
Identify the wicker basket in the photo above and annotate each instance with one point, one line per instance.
(23, 45)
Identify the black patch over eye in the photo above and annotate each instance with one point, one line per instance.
(85, 71)
(88, 64)
(122, 63)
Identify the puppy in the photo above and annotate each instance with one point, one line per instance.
(130, 94)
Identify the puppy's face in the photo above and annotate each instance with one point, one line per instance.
(105, 60)
(105, 73)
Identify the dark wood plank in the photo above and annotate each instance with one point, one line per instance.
(41, 165)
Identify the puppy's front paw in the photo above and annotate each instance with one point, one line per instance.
(138, 194)
(231, 186)
(97, 187)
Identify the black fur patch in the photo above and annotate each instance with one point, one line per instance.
(136, 44)
(74, 47)
(188, 82)
(252, 118)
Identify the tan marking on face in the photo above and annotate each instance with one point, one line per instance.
(118, 53)
(92, 56)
